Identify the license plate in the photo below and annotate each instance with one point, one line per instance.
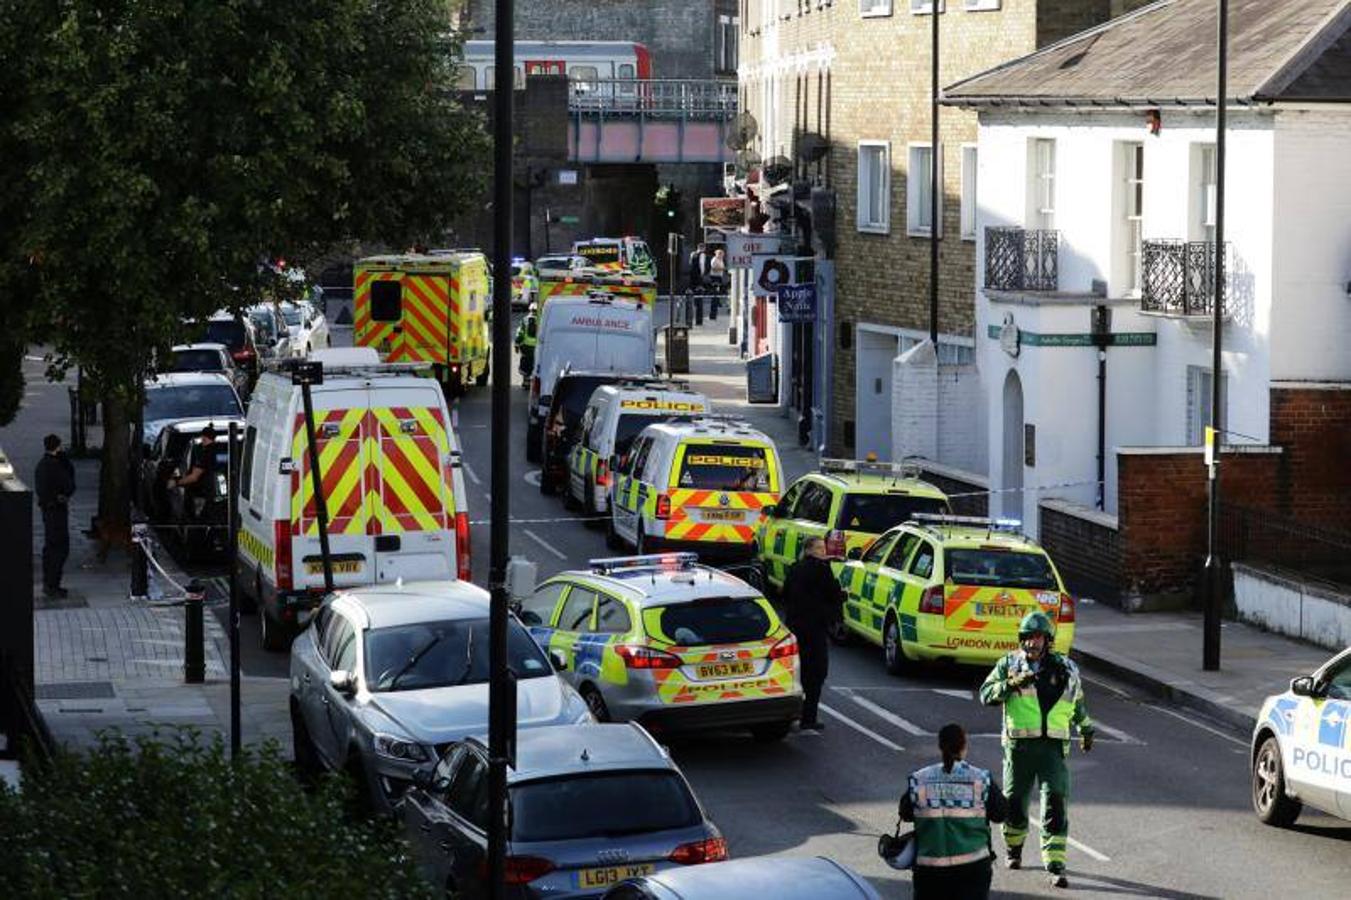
(999, 610)
(596, 878)
(340, 567)
(724, 670)
(722, 515)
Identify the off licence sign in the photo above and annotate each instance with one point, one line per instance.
(741, 247)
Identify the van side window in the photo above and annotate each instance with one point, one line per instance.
(386, 301)
(639, 457)
(246, 465)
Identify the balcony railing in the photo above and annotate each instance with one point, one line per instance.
(1021, 259)
(1178, 277)
(662, 98)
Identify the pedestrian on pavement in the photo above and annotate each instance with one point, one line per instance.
(813, 602)
(55, 483)
(1043, 696)
(698, 268)
(717, 270)
(952, 804)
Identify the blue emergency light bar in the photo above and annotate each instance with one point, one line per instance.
(651, 560)
(1013, 525)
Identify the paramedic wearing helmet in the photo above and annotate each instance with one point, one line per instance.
(1042, 696)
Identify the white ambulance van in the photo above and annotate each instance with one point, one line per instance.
(389, 465)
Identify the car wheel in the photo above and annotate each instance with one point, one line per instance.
(1268, 788)
(596, 703)
(275, 636)
(769, 732)
(361, 790)
(302, 745)
(892, 649)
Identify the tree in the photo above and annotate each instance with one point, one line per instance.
(174, 145)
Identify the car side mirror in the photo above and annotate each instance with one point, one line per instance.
(560, 664)
(854, 553)
(342, 681)
(423, 778)
(1303, 686)
(771, 510)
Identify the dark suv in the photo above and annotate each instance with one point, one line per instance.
(562, 427)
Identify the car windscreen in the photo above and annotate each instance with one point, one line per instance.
(195, 361)
(714, 620)
(229, 332)
(724, 467)
(601, 805)
(266, 324)
(1006, 568)
(423, 655)
(875, 513)
(191, 401)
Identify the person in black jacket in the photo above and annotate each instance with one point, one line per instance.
(813, 600)
(55, 482)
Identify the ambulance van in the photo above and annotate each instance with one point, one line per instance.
(389, 466)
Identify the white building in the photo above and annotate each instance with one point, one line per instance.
(1096, 187)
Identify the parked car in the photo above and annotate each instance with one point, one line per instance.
(168, 454)
(591, 805)
(563, 424)
(385, 678)
(204, 357)
(176, 396)
(783, 878)
(238, 334)
(307, 327)
(274, 338)
(198, 516)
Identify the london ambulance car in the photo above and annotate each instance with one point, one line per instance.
(580, 282)
(426, 308)
(617, 254)
(1301, 747)
(389, 465)
(700, 486)
(595, 333)
(614, 416)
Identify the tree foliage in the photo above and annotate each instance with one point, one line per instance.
(170, 146)
(176, 818)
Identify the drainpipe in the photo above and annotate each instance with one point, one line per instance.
(1101, 331)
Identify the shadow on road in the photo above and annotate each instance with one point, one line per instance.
(1103, 884)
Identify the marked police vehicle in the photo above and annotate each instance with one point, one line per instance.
(1301, 747)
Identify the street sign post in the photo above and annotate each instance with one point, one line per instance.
(232, 489)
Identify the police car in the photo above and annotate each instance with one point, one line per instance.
(847, 503)
(1301, 747)
(951, 587)
(669, 643)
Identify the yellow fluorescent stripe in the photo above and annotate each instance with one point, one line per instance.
(429, 424)
(409, 499)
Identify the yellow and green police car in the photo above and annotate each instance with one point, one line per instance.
(951, 587)
(847, 503)
(669, 643)
(1301, 747)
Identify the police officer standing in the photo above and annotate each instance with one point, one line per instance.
(55, 483)
(527, 337)
(813, 601)
(1042, 696)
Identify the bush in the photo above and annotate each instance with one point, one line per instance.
(175, 817)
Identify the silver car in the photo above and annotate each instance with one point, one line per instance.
(386, 677)
(589, 806)
(783, 878)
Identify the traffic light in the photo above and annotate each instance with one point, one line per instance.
(668, 204)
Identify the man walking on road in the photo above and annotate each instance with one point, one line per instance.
(813, 601)
(54, 481)
(1042, 696)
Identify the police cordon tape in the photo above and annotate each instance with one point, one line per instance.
(146, 541)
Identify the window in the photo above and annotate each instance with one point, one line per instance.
(814, 505)
(725, 467)
(1203, 193)
(1132, 168)
(491, 79)
(726, 56)
(790, 498)
(1006, 568)
(625, 70)
(1041, 184)
(466, 785)
(874, 513)
(246, 466)
(919, 186)
(612, 617)
(980, 5)
(1199, 388)
(922, 566)
(386, 301)
(870, 8)
(1337, 682)
(338, 637)
(583, 73)
(538, 608)
(601, 805)
(714, 620)
(904, 547)
(874, 187)
(577, 609)
(924, 7)
(968, 192)
(877, 550)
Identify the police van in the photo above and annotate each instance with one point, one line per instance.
(700, 486)
(389, 465)
(614, 416)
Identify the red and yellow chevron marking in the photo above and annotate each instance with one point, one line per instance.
(412, 444)
(342, 462)
(424, 334)
(365, 332)
(685, 526)
(675, 688)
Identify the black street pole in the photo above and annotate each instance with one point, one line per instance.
(933, 183)
(233, 518)
(500, 717)
(1210, 651)
(316, 480)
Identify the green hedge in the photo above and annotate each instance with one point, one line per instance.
(174, 817)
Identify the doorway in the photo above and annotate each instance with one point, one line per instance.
(1012, 485)
(872, 393)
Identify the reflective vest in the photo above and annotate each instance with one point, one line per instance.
(950, 824)
(1023, 716)
(526, 333)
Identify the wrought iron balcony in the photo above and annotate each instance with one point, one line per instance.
(1178, 277)
(1021, 259)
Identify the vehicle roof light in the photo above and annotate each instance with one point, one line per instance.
(651, 560)
(1012, 526)
(903, 469)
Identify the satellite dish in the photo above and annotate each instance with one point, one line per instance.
(743, 130)
(811, 147)
(777, 169)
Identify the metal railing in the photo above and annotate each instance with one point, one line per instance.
(1178, 277)
(665, 98)
(1261, 536)
(1021, 259)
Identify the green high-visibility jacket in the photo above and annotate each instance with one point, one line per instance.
(526, 333)
(951, 811)
(1024, 713)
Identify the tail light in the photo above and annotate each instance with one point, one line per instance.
(705, 851)
(520, 869)
(281, 532)
(931, 601)
(243, 356)
(602, 474)
(462, 545)
(640, 657)
(663, 506)
(785, 647)
(534, 391)
(835, 543)
(1066, 609)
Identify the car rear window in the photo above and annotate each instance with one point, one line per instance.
(630, 426)
(875, 513)
(570, 399)
(714, 620)
(602, 805)
(291, 314)
(195, 361)
(197, 401)
(724, 467)
(1006, 568)
(229, 332)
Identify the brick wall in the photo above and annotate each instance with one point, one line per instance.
(1313, 425)
(1086, 547)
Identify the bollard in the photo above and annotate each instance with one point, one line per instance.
(194, 655)
(140, 562)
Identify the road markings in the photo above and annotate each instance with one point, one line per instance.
(959, 693)
(1215, 731)
(1078, 845)
(545, 544)
(532, 477)
(468, 470)
(1116, 733)
(888, 716)
(861, 729)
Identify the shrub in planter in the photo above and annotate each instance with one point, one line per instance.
(172, 816)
